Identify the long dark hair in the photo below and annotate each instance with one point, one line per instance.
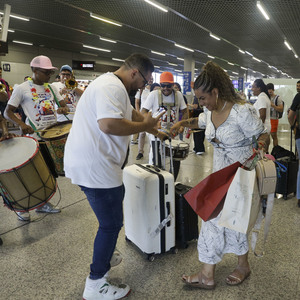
(262, 86)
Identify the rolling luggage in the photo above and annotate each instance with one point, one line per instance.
(186, 219)
(149, 209)
(287, 181)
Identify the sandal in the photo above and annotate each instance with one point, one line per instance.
(202, 281)
(237, 276)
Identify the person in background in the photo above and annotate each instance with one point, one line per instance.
(57, 78)
(71, 94)
(262, 105)
(140, 98)
(230, 124)
(276, 106)
(292, 117)
(4, 93)
(37, 99)
(95, 154)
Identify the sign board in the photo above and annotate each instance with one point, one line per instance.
(240, 84)
(187, 78)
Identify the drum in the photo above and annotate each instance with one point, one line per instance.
(55, 137)
(25, 180)
(180, 150)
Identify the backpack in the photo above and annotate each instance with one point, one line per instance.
(279, 114)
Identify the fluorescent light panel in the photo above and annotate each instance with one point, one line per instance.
(88, 53)
(241, 51)
(214, 36)
(158, 53)
(259, 5)
(17, 17)
(230, 63)
(183, 47)
(105, 20)
(177, 70)
(107, 40)
(118, 59)
(288, 45)
(256, 59)
(210, 56)
(296, 55)
(157, 67)
(155, 4)
(95, 48)
(243, 68)
(171, 64)
(10, 30)
(179, 58)
(248, 53)
(24, 43)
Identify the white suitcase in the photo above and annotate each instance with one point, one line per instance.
(149, 209)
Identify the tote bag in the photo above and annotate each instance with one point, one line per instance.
(242, 202)
(207, 197)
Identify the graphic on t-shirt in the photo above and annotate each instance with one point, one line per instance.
(173, 112)
(45, 107)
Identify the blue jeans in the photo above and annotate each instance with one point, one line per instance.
(107, 205)
(298, 176)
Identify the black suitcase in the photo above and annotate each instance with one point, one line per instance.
(287, 181)
(186, 219)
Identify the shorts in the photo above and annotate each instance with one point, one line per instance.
(274, 125)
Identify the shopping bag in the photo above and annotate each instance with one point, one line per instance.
(207, 197)
(242, 202)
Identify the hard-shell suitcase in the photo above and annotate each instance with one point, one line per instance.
(149, 209)
(186, 218)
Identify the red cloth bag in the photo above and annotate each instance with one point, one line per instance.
(207, 197)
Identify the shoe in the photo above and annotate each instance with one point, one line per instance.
(199, 281)
(237, 276)
(48, 208)
(199, 153)
(116, 259)
(23, 216)
(139, 156)
(102, 289)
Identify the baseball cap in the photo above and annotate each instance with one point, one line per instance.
(166, 77)
(66, 67)
(42, 62)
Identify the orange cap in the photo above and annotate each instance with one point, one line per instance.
(166, 77)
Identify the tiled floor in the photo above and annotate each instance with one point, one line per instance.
(49, 258)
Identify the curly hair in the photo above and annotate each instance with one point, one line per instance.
(213, 76)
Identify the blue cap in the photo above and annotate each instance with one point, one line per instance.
(66, 67)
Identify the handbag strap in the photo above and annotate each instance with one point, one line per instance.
(257, 226)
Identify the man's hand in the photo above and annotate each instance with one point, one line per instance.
(63, 110)
(162, 135)
(152, 122)
(176, 129)
(7, 135)
(26, 129)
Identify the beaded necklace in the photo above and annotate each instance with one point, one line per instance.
(35, 94)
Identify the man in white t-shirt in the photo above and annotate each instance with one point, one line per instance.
(37, 99)
(140, 99)
(70, 95)
(171, 101)
(95, 154)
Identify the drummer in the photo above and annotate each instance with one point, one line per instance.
(71, 94)
(172, 102)
(37, 98)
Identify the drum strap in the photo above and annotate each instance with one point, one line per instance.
(58, 104)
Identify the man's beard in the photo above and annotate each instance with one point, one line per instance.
(132, 93)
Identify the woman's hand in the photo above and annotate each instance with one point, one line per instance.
(176, 129)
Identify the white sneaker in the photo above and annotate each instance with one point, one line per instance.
(116, 259)
(23, 216)
(199, 153)
(48, 208)
(101, 289)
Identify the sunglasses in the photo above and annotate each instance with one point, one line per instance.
(145, 80)
(46, 72)
(168, 86)
(66, 74)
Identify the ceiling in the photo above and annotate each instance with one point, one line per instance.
(67, 25)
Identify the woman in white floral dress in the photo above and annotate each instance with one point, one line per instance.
(229, 125)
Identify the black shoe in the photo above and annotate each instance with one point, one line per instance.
(139, 156)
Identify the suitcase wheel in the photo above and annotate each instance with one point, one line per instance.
(174, 250)
(150, 257)
(127, 239)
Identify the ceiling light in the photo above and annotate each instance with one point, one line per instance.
(10, 30)
(230, 63)
(118, 59)
(259, 5)
(270, 66)
(296, 55)
(88, 53)
(188, 49)
(210, 56)
(157, 67)
(177, 70)
(249, 53)
(155, 4)
(171, 64)
(180, 58)
(243, 68)
(288, 45)
(107, 40)
(95, 48)
(24, 43)
(105, 20)
(235, 73)
(158, 53)
(241, 51)
(256, 59)
(17, 17)
(214, 36)
(225, 70)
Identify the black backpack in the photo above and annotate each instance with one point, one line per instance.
(279, 114)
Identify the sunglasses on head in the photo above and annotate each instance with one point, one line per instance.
(168, 85)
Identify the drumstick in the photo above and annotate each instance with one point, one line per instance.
(44, 130)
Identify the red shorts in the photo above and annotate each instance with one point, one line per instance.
(274, 125)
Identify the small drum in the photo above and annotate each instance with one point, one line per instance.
(25, 180)
(55, 137)
(180, 150)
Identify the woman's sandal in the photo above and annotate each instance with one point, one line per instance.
(202, 281)
(237, 276)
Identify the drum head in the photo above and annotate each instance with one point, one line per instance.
(16, 151)
(57, 131)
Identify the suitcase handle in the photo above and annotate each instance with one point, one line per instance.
(168, 212)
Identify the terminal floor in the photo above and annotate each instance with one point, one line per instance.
(49, 257)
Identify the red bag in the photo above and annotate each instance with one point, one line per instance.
(207, 197)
